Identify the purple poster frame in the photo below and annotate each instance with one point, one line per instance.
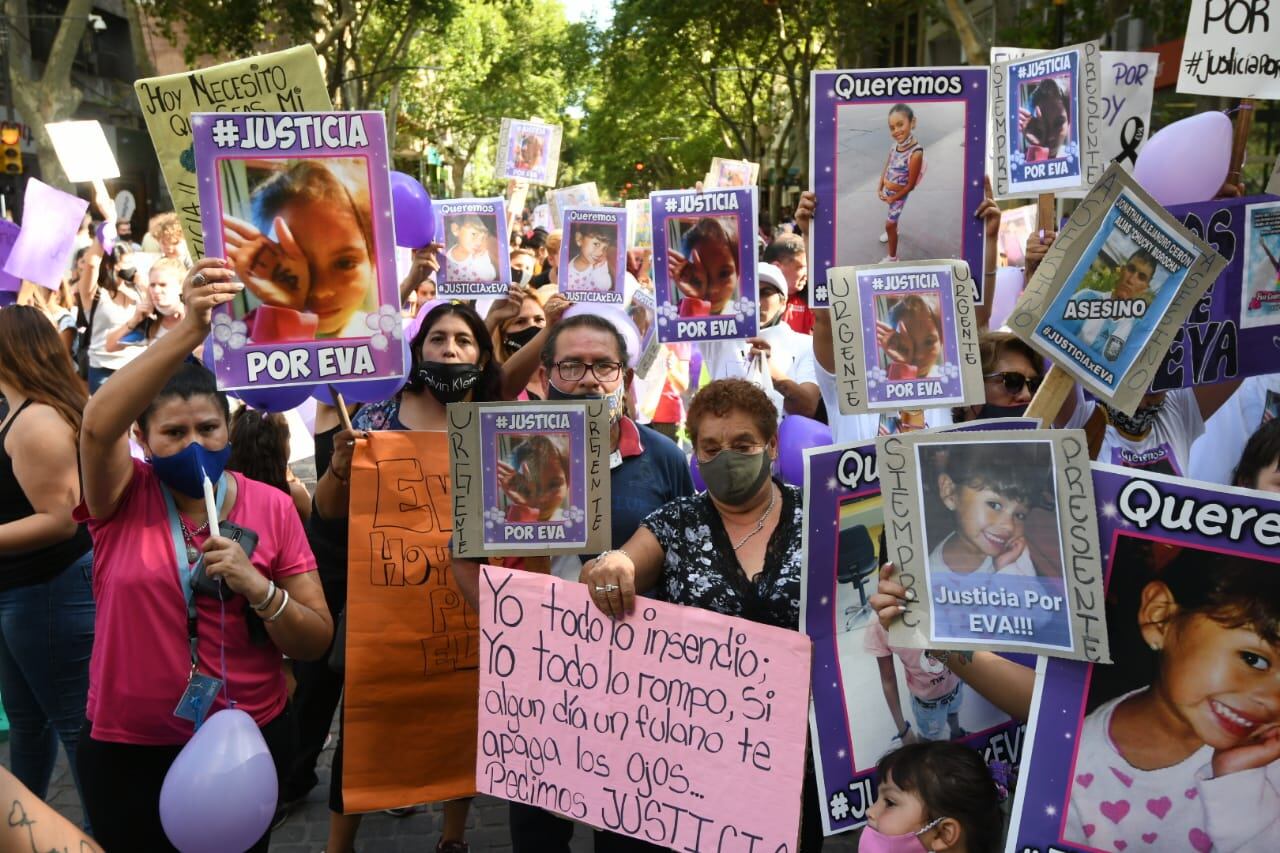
(446, 210)
(499, 532)
(238, 362)
(832, 90)
(613, 218)
(1130, 504)
(741, 317)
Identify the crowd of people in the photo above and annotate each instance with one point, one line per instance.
(121, 595)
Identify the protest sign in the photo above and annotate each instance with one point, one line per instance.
(639, 224)
(529, 478)
(474, 261)
(8, 234)
(300, 204)
(1187, 780)
(1112, 290)
(996, 537)
(1260, 295)
(1232, 49)
(1047, 121)
(639, 725)
(642, 311)
(727, 174)
(528, 150)
(541, 217)
(412, 654)
(593, 264)
(44, 245)
(853, 659)
(289, 80)
(862, 151)
(578, 195)
(905, 336)
(83, 151)
(704, 264)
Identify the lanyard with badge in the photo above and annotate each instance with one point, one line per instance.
(202, 689)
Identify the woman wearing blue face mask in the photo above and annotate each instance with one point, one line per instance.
(186, 620)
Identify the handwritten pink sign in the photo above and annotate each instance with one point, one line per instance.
(50, 220)
(677, 726)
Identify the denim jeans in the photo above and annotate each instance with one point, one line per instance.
(46, 635)
(98, 375)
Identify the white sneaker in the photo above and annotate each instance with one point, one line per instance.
(888, 259)
(884, 236)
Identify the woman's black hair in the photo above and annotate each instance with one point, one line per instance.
(107, 269)
(1261, 453)
(1016, 470)
(190, 380)
(953, 782)
(1234, 590)
(489, 388)
(260, 447)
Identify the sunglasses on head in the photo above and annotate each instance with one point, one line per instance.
(1014, 382)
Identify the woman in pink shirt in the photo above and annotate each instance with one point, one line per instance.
(162, 632)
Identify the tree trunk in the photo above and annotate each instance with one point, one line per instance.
(458, 171)
(975, 47)
(137, 40)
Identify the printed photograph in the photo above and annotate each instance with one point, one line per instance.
(639, 224)
(528, 148)
(593, 258)
(471, 247)
(1261, 291)
(532, 476)
(909, 335)
(703, 260)
(1044, 117)
(731, 173)
(299, 234)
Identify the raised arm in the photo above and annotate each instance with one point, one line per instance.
(519, 369)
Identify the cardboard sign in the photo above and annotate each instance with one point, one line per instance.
(639, 725)
(412, 640)
(83, 151)
(1232, 49)
(528, 151)
(1113, 289)
(639, 224)
(9, 283)
(287, 80)
(1046, 117)
(1260, 296)
(704, 264)
(300, 204)
(996, 536)
(578, 195)
(642, 312)
(728, 174)
(45, 244)
(1082, 786)
(852, 728)
(906, 336)
(859, 169)
(541, 217)
(529, 478)
(593, 262)
(475, 261)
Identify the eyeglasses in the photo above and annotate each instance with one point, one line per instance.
(573, 371)
(744, 448)
(1014, 382)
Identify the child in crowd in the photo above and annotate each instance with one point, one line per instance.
(1259, 465)
(705, 270)
(591, 268)
(469, 257)
(911, 341)
(902, 171)
(935, 796)
(536, 481)
(1192, 761)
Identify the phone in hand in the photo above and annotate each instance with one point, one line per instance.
(205, 585)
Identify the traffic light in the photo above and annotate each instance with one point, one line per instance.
(10, 152)
(639, 167)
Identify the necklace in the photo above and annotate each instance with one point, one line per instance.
(764, 516)
(188, 536)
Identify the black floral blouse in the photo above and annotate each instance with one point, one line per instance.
(702, 570)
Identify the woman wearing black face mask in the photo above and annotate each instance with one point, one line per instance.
(519, 323)
(1011, 373)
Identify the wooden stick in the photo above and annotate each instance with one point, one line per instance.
(1240, 140)
(341, 405)
(1053, 392)
(517, 192)
(1047, 213)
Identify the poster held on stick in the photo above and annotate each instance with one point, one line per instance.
(528, 150)
(474, 261)
(578, 195)
(83, 151)
(592, 259)
(47, 238)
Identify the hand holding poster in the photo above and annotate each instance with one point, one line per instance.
(288, 80)
(1173, 747)
(1114, 287)
(47, 239)
(1232, 49)
(896, 160)
(704, 264)
(83, 150)
(996, 537)
(1046, 118)
(529, 478)
(528, 150)
(475, 261)
(578, 195)
(621, 725)
(905, 336)
(593, 264)
(300, 204)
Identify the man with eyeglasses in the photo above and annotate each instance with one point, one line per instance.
(586, 356)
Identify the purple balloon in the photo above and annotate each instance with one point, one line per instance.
(221, 790)
(1204, 140)
(414, 218)
(795, 435)
(274, 399)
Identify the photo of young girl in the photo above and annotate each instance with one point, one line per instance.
(1181, 746)
(704, 270)
(902, 172)
(533, 476)
(299, 234)
(593, 262)
(909, 335)
(471, 247)
(527, 149)
(1044, 116)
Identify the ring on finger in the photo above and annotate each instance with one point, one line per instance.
(199, 280)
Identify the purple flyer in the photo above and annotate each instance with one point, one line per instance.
(474, 262)
(300, 204)
(896, 160)
(704, 263)
(592, 254)
(1174, 746)
(866, 688)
